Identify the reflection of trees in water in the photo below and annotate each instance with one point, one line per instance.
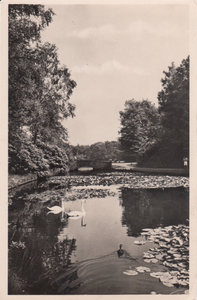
(153, 208)
(33, 267)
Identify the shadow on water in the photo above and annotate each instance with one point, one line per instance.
(150, 208)
(35, 253)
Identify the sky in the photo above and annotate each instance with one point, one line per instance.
(115, 53)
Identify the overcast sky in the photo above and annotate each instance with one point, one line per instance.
(115, 53)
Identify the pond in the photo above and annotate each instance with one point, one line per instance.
(51, 253)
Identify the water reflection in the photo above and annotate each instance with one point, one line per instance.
(153, 208)
(56, 254)
(36, 255)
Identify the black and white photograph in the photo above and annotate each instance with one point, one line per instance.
(98, 148)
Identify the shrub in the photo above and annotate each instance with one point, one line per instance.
(26, 157)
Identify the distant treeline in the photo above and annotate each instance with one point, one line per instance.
(101, 151)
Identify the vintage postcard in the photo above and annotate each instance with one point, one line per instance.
(98, 149)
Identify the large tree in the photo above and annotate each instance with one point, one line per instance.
(25, 25)
(39, 87)
(39, 91)
(140, 127)
(174, 109)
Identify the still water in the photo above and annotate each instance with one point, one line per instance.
(52, 254)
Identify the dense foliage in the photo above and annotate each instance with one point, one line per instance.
(39, 157)
(140, 128)
(160, 137)
(174, 109)
(39, 93)
(101, 151)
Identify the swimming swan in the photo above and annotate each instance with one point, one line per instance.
(56, 209)
(77, 213)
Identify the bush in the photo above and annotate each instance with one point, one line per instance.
(40, 157)
(26, 159)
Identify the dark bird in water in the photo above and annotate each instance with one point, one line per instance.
(120, 251)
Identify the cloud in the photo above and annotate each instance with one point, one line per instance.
(135, 28)
(94, 31)
(159, 29)
(107, 68)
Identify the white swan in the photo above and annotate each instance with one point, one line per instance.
(56, 209)
(77, 213)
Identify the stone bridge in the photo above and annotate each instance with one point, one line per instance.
(95, 164)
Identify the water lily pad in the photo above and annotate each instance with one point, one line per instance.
(183, 282)
(139, 242)
(185, 272)
(174, 273)
(167, 283)
(159, 256)
(177, 259)
(167, 264)
(177, 255)
(166, 276)
(156, 274)
(157, 241)
(182, 265)
(130, 272)
(142, 269)
(154, 260)
(162, 245)
(145, 233)
(153, 249)
(147, 260)
(148, 255)
(167, 240)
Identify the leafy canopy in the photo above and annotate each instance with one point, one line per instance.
(140, 127)
(39, 93)
(39, 87)
(174, 108)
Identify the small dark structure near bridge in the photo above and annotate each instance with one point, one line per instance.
(94, 164)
